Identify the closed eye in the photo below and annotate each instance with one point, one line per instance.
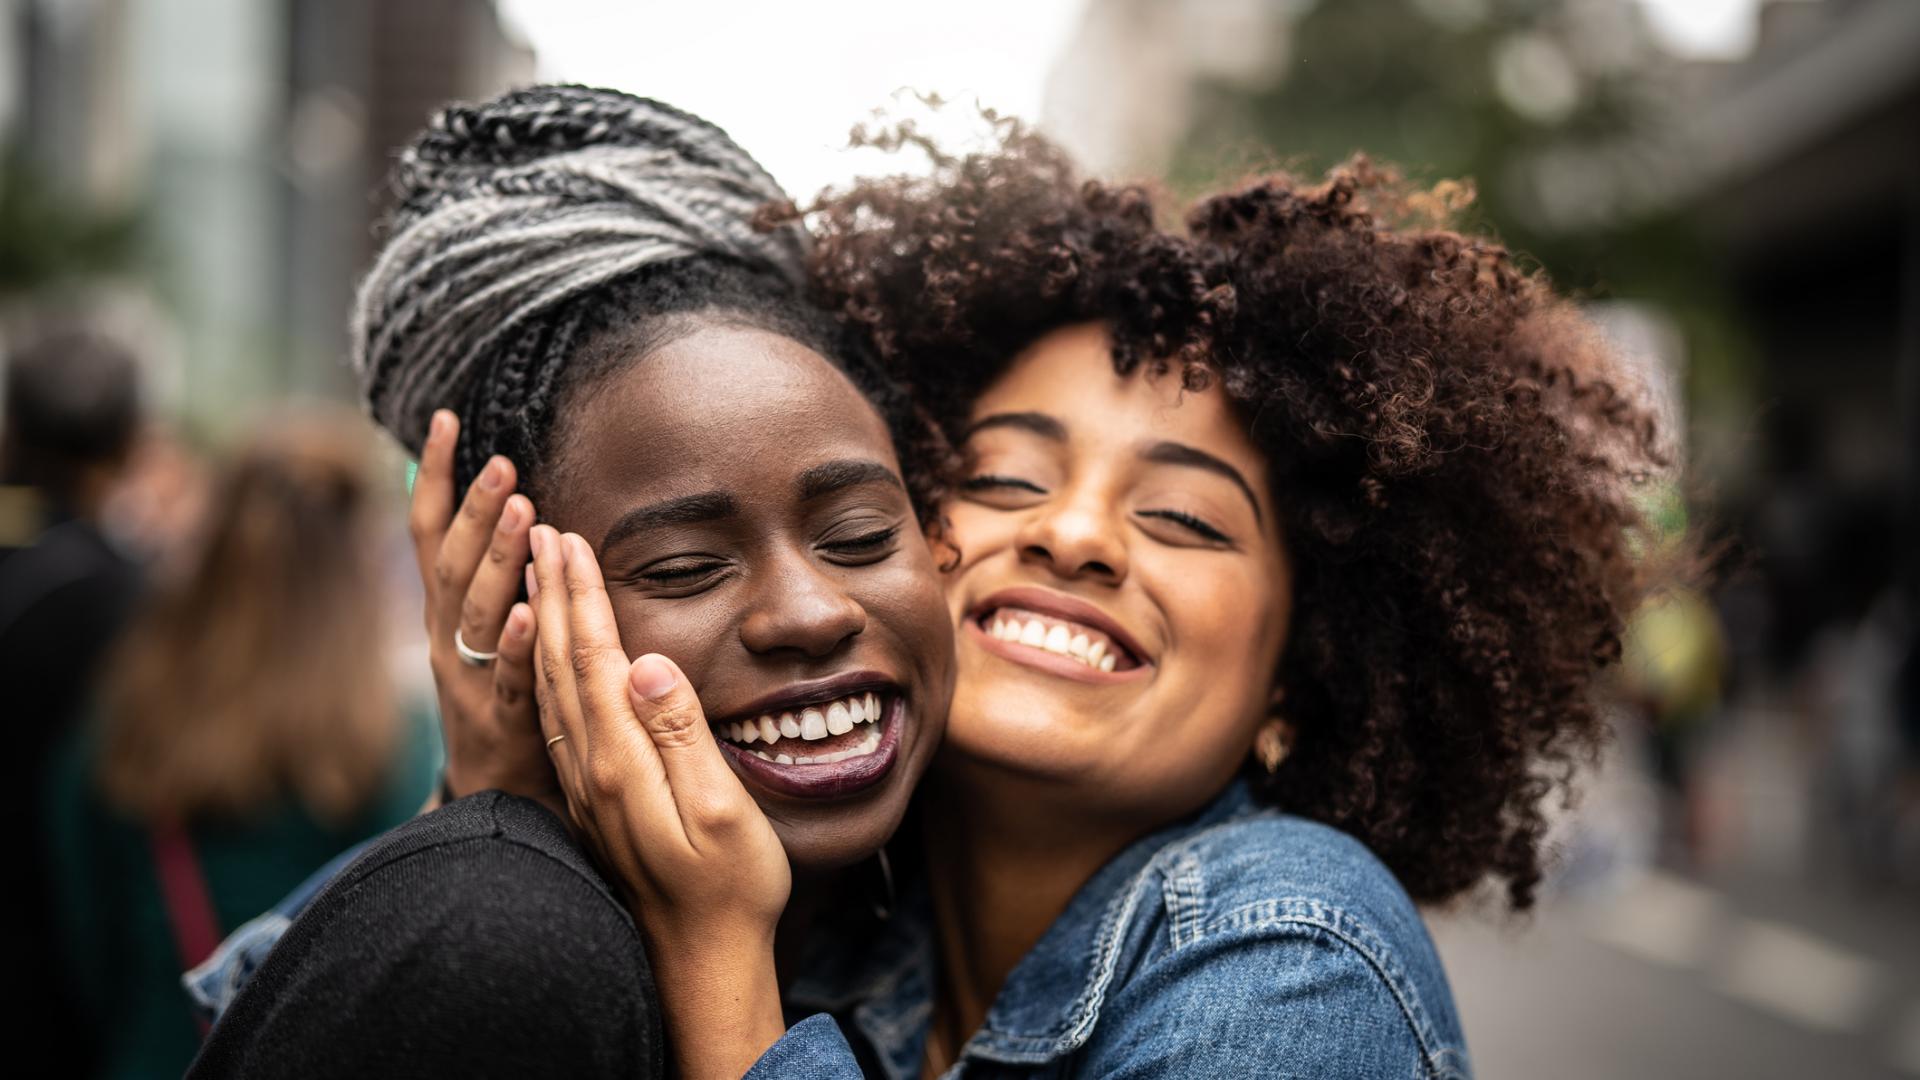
(677, 573)
(865, 544)
(1190, 523)
(990, 481)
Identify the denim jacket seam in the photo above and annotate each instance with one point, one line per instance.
(1185, 890)
(1284, 914)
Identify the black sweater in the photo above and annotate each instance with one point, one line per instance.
(474, 941)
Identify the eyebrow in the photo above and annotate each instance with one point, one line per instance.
(816, 482)
(685, 510)
(835, 476)
(1173, 453)
(1034, 423)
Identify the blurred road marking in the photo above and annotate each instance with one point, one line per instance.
(1797, 976)
(1658, 918)
(1906, 1041)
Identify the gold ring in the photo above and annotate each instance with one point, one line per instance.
(555, 739)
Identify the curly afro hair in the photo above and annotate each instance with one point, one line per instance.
(1454, 452)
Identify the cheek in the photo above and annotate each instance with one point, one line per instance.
(1227, 626)
(977, 533)
(689, 633)
(903, 596)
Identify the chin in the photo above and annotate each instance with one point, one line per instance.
(1024, 732)
(832, 839)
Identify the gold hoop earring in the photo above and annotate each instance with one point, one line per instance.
(1270, 746)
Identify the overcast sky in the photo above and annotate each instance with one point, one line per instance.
(787, 78)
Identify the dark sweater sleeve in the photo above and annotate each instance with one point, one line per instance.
(474, 941)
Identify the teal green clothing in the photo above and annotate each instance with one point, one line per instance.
(117, 942)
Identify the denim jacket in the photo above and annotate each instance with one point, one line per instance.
(1244, 942)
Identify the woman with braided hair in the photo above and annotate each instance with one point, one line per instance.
(1285, 554)
(579, 275)
(1289, 549)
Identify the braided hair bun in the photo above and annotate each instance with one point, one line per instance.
(532, 222)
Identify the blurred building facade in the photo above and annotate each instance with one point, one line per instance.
(249, 139)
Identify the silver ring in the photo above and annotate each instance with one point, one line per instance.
(470, 657)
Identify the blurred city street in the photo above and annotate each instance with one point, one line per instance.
(1748, 970)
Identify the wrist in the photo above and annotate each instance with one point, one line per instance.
(720, 998)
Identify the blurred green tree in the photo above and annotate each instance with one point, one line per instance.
(48, 238)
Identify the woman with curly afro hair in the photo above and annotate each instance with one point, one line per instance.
(1285, 553)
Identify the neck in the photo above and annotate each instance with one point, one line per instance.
(1003, 866)
(804, 903)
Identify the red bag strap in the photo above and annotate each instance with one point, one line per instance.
(183, 888)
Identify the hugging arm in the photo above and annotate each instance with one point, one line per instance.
(694, 857)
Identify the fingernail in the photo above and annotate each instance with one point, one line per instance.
(517, 621)
(493, 475)
(538, 541)
(533, 584)
(509, 516)
(438, 427)
(653, 676)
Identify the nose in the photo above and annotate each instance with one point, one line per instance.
(1076, 537)
(803, 608)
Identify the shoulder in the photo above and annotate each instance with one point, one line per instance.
(474, 873)
(478, 936)
(1269, 900)
(1250, 863)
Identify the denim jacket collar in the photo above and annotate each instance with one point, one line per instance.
(1049, 1003)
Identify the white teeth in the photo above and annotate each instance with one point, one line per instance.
(1061, 639)
(817, 722)
(1057, 639)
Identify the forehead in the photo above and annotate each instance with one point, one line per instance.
(723, 408)
(1068, 374)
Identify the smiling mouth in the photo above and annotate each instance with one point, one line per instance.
(1074, 641)
(817, 733)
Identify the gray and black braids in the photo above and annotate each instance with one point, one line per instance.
(528, 223)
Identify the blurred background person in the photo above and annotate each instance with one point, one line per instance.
(248, 731)
(72, 414)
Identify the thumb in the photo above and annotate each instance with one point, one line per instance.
(667, 707)
(697, 771)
